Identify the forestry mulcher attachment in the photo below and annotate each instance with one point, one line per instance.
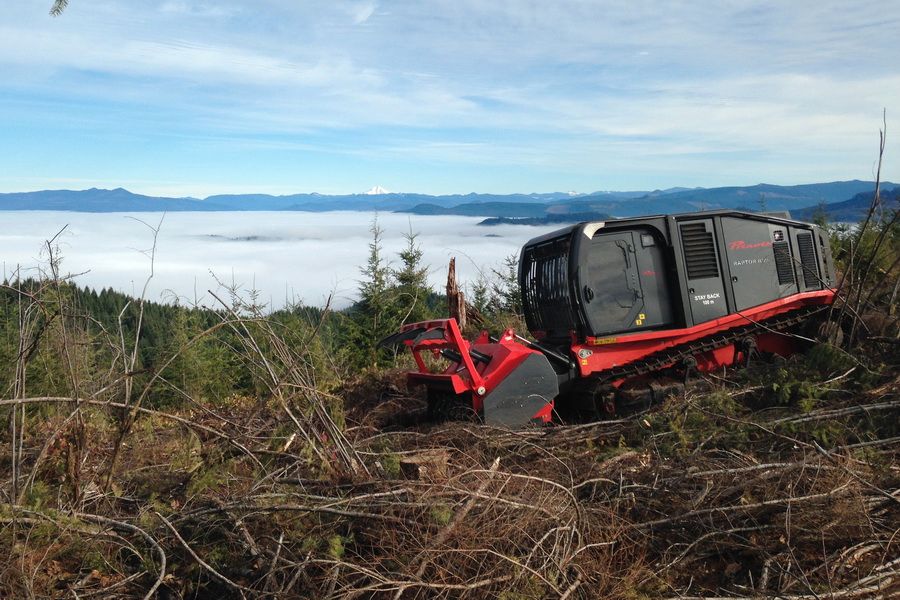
(612, 303)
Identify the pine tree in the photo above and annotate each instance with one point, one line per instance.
(374, 284)
(505, 291)
(481, 295)
(497, 296)
(371, 316)
(412, 290)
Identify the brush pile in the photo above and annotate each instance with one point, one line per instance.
(782, 485)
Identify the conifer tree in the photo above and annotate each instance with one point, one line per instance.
(412, 290)
(480, 296)
(372, 314)
(497, 296)
(505, 291)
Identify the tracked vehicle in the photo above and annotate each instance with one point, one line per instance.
(613, 305)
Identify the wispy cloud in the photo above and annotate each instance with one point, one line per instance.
(576, 90)
(196, 9)
(362, 11)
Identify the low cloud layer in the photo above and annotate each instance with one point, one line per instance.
(284, 255)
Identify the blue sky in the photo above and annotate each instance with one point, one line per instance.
(185, 97)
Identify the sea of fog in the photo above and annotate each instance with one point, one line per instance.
(293, 256)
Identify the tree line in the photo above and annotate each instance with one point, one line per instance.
(43, 319)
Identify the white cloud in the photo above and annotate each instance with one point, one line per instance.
(362, 11)
(198, 9)
(571, 85)
(198, 62)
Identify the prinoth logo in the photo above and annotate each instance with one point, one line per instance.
(742, 245)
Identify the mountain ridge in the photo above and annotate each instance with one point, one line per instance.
(552, 205)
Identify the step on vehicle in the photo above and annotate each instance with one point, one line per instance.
(613, 305)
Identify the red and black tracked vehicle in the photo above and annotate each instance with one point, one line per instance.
(610, 303)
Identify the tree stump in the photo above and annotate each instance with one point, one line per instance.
(455, 298)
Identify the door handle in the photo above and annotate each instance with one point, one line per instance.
(588, 294)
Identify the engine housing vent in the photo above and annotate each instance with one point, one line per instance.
(783, 263)
(808, 260)
(699, 251)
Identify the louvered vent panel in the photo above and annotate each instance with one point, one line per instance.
(808, 260)
(783, 263)
(699, 251)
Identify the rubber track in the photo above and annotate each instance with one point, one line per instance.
(670, 356)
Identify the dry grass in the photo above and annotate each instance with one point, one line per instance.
(705, 496)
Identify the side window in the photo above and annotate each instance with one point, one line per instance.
(612, 274)
(612, 291)
(627, 283)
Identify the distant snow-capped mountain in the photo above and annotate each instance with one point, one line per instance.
(376, 191)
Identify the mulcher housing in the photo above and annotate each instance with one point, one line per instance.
(612, 300)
